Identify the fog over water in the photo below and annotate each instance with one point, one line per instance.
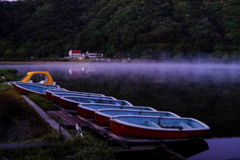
(157, 72)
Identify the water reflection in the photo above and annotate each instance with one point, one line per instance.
(220, 149)
(188, 148)
(75, 71)
(83, 70)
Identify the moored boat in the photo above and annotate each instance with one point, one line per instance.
(102, 116)
(50, 92)
(87, 110)
(56, 96)
(71, 102)
(157, 127)
(45, 77)
(26, 88)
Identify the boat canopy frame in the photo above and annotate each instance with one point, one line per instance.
(47, 80)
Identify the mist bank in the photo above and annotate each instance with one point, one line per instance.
(155, 72)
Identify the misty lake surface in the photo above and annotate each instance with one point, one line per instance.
(193, 90)
(161, 72)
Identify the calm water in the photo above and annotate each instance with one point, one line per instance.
(173, 74)
(220, 149)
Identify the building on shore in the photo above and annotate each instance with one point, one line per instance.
(77, 54)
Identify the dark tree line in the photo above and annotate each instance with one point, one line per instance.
(137, 28)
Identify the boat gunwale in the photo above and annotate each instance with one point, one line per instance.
(114, 118)
(81, 95)
(149, 111)
(38, 84)
(90, 109)
(76, 92)
(65, 99)
(60, 90)
(32, 91)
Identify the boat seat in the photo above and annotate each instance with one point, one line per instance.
(195, 124)
(117, 103)
(152, 124)
(185, 125)
(90, 101)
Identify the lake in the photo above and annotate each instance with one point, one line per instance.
(208, 92)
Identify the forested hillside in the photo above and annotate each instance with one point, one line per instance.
(136, 28)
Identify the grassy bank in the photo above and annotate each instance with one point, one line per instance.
(7, 75)
(20, 123)
(87, 148)
(14, 112)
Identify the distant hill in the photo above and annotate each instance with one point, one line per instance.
(138, 28)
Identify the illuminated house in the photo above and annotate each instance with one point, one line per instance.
(76, 54)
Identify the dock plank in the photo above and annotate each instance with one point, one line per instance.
(66, 118)
(105, 133)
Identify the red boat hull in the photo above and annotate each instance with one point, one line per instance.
(121, 129)
(68, 104)
(55, 98)
(86, 113)
(25, 91)
(48, 95)
(102, 120)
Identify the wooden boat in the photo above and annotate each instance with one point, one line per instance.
(157, 127)
(26, 88)
(71, 102)
(45, 77)
(50, 92)
(56, 96)
(87, 110)
(102, 116)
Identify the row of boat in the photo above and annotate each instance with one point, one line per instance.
(122, 117)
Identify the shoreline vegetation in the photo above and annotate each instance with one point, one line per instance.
(167, 58)
(233, 58)
(19, 123)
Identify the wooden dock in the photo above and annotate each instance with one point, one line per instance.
(123, 143)
(126, 144)
(67, 119)
(70, 120)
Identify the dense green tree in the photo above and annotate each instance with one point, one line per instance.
(9, 54)
(143, 28)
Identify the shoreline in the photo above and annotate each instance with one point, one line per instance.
(38, 62)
